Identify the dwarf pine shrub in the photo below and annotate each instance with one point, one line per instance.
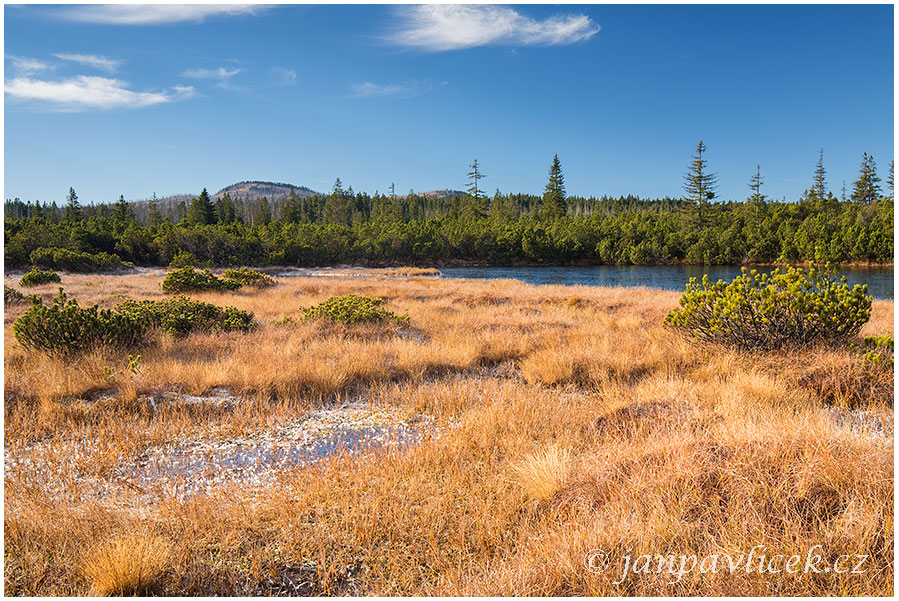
(352, 309)
(69, 260)
(11, 296)
(64, 328)
(182, 315)
(878, 350)
(249, 277)
(770, 311)
(37, 277)
(187, 279)
(183, 259)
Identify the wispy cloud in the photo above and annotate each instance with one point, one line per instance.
(221, 75)
(155, 14)
(367, 89)
(89, 92)
(285, 77)
(92, 60)
(439, 27)
(27, 66)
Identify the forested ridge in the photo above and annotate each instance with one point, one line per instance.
(349, 227)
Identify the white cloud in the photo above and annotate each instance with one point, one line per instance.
(220, 75)
(92, 60)
(89, 92)
(438, 27)
(155, 14)
(367, 89)
(287, 77)
(27, 66)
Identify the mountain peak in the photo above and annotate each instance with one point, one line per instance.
(257, 189)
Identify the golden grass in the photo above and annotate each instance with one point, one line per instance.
(543, 473)
(569, 426)
(129, 565)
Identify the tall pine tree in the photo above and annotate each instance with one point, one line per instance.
(263, 213)
(867, 187)
(337, 209)
(73, 207)
(122, 212)
(476, 207)
(554, 203)
(154, 216)
(890, 180)
(699, 184)
(201, 211)
(755, 184)
(819, 186)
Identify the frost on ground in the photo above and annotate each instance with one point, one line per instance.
(68, 468)
(874, 425)
(195, 465)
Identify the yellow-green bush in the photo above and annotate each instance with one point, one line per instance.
(765, 311)
(187, 279)
(11, 296)
(182, 315)
(36, 277)
(69, 260)
(64, 328)
(249, 277)
(352, 309)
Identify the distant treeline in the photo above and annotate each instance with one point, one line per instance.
(349, 227)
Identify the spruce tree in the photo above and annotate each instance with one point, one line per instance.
(225, 209)
(554, 202)
(820, 182)
(292, 212)
(474, 176)
(867, 187)
(122, 212)
(154, 216)
(335, 210)
(263, 213)
(476, 206)
(201, 211)
(755, 184)
(73, 207)
(699, 183)
(890, 180)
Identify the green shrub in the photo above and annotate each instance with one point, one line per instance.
(64, 328)
(878, 350)
(11, 296)
(352, 309)
(249, 277)
(181, 315)
(69, 260)
(769, 311)
(187, 279)
(183, 259)
(37, 277)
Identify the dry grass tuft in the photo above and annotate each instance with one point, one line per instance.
(543, 473)
(127, 565)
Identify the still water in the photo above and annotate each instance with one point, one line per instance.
(667, 277)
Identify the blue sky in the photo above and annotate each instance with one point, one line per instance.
(168, 99)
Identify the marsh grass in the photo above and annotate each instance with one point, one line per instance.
(567, 426)
(129, 565)
(543, 473)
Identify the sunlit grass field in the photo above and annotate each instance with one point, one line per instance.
(561, 420)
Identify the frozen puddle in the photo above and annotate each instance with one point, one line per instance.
(220, 396)
(875, 426)
(72, 469)
(198, 465)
